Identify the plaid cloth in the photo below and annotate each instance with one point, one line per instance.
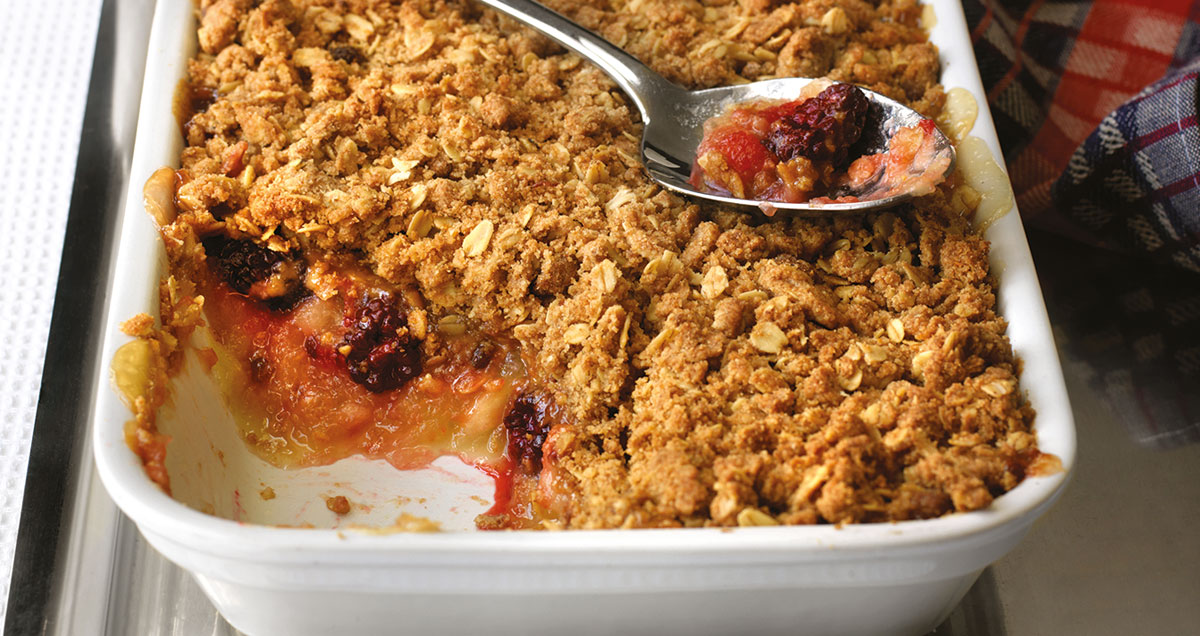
(1096, 106)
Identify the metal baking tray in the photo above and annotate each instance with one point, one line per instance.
(102, 573)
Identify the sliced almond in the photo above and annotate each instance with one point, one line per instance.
(401, 170)
(851, 383)
(420, 224)
(597, 172)
(576, 333)
(452, 325)
(661, 265)
(524, 331)
(874, 353)
(715, 282)
(812, 481)
(308, 57)
(507, 239)
(609, 275)
(404, 90)
(659, 341)
(919, 362)
(358, 27)
(998, 388)
(526, 214)
(753, 296)
(452, 150)
(767, 337)
(327, 22)
(754, 517)
(477, 240)
(854, 352)
(247, 176)
(418, 192)
(835, 21)
(623, 196)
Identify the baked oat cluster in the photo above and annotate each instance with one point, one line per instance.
(711, 367)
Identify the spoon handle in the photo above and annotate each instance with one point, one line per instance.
(644, 86)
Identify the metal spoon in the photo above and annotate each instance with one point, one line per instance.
(673, 116)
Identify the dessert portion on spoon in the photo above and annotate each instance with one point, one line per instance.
(808, 150)
(902, 153)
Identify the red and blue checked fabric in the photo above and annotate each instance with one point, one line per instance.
(1134, 182)
(1096, 106)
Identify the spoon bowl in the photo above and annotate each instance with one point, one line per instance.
(670, 140)
(673, 117)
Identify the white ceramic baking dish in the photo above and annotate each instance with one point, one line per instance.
(901, 578)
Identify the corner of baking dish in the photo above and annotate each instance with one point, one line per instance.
(135, 289)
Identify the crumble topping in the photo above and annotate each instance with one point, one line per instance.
(711, 367)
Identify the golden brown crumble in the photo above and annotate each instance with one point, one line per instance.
(338, 505)
(142, 369)
(717, 368)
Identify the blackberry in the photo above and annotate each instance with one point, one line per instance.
(379, 352)
(347, 54)
(820, 128)
(482, 354)
(200, 98)
(275, 278)
(527, 426)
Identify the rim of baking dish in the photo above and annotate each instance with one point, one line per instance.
(120, 469)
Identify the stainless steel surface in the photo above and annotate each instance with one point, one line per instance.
(153, 597)
(63, 552)
(673, 117)
(1118, 554)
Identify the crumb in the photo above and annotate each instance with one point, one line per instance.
(207, 357)
(404, 523)
(338, 505)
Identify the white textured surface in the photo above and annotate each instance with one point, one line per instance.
(46, 52)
